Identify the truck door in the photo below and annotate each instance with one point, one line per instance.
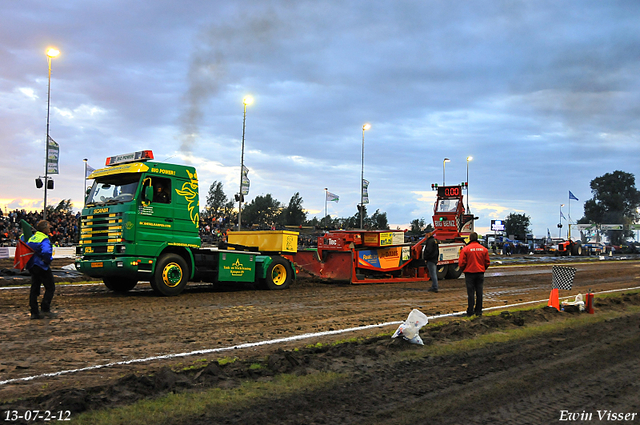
(156, 213)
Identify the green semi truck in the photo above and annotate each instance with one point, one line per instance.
(141, 223)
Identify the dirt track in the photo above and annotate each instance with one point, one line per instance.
(97, 327)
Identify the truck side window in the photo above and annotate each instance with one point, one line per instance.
(162, 190)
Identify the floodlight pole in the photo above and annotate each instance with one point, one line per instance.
(325, 206)
(246, 101)
(362, 182)
(46, 143)
(364, 128)
(84, 192)
(443, 163)
(244, 119)
(560, 223)
(469, 158)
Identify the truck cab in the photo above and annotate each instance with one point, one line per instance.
(141, 223)
(136, 211)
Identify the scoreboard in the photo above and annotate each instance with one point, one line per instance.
(449, 191)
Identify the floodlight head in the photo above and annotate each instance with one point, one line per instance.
(52, 52)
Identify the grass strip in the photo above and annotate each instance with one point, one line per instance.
(178, 408)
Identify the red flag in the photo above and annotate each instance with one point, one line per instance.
(23, 255)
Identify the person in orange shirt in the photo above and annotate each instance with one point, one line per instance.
(473, 261)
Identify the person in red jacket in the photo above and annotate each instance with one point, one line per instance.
(473, 261)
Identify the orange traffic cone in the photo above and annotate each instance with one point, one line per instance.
(554, 301)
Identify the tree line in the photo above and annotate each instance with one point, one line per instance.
(615, 200)
(267, 212)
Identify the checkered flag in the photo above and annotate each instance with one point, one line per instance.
(563, 277)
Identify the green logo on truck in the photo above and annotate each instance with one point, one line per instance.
(190, 192)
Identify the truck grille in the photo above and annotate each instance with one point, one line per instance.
(99, 232)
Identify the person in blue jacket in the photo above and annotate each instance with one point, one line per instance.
(39, 267)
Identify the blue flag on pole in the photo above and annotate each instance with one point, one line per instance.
(90, 170)
(572, 196)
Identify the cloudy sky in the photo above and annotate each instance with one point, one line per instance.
(544, 95)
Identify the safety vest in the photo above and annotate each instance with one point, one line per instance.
(43, 252)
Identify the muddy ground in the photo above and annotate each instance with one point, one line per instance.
(531, 381)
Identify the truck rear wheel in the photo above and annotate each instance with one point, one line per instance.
(279, 274)
(171, 275)
(576, 249)
(442, 271)
(453, 271)
(119, 284)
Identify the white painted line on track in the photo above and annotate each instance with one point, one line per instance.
(200, 352)
(58, 285)
(269, 342)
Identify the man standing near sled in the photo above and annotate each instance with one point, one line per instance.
(431, 254)
(473, 261)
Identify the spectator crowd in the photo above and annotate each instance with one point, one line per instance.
(64, 226)
(212, 229)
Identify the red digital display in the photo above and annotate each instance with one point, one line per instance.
(449, 191)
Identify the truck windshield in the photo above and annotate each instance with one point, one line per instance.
(447, 205)
(113, 189)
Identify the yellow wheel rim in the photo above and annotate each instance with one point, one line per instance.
(279, 275)
(172, 275)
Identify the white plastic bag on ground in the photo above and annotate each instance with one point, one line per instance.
(579, 303)
(410, 328)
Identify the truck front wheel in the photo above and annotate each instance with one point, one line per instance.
(279, 274)
(171, 275)
(119, 284)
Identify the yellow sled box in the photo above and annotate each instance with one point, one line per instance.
(266, 240)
